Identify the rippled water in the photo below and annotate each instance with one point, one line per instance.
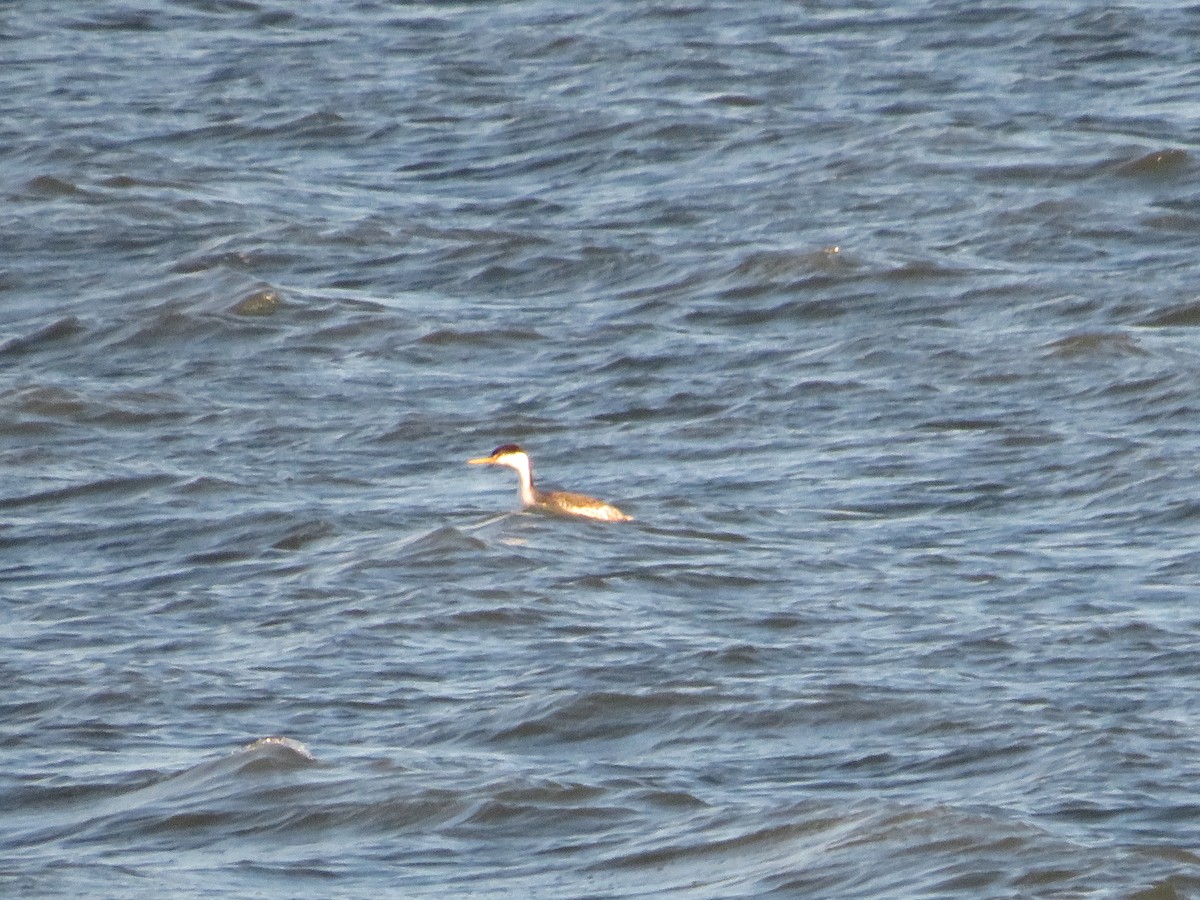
(880, 318)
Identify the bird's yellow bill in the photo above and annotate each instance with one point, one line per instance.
(479, 461)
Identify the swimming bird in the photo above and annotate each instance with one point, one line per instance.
(561, 502)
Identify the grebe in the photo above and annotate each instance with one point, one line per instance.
(561, 502)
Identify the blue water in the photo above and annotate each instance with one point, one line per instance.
(880, 318)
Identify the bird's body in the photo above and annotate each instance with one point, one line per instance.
(561, 502)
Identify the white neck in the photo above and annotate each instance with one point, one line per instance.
(520, 463)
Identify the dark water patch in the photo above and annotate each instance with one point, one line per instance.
(263, 301)
(808, 310)
(1175, 512)
(492, 337)
(1174, 887)
(131, 182)
(121, 409)
(250, 537)
(51, 187)
(316, 124)
(303, 535)
(230, 259)
(683, 407)
(545, 817)
(921, 269)
(976, 760)
(1039, 173)
(757, 289)
(599, 716)
(1172, 221)
(1097, 345)
(742, 101)
(208, 484)
(199, 329)
(118, 21)
(1153, 390)
(739, 656)
(1063, 212)
(1158, 164)
(1186, 315)
(693, 533)
(686, 576)
(171, 324)
(130, 486)
(787, 266)
(498, 617)
(63, 329)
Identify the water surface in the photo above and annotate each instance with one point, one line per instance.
(880, 318)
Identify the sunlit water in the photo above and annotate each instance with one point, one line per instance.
(882, 320)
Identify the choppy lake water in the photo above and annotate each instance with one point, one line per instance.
(881, 318)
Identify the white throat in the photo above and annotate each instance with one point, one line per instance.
(520, 463)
